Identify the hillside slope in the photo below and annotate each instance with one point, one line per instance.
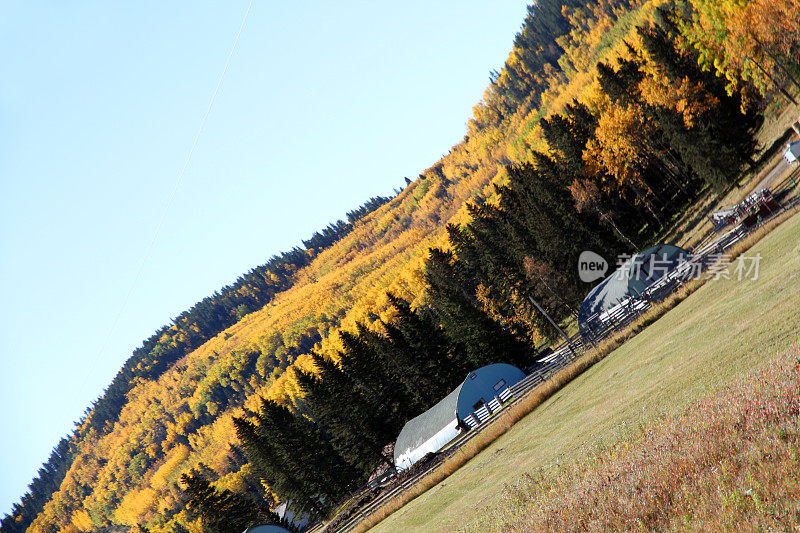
(183, 417)
(125, 472)
(706, 342)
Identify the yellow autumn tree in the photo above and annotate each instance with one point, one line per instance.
(746, 41)
(620, 149)
(617, 148)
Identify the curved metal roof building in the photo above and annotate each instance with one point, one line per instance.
(267, 528)
(629, 280)
(479, 395)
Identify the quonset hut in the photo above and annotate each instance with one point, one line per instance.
(628, 281)
(267, 528)
(481, 393)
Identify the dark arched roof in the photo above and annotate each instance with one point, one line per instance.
(267, 528)
(630, 279)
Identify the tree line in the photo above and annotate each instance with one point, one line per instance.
(358, 398)
(161, 350)
(647, 136)
(614, 178)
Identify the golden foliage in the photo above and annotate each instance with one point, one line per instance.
(82, 521)
(135, 505)
(738, 38)
(687, 98)
(167, 472)
(185, 415)
(617, 148)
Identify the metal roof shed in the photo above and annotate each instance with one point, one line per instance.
(628, 281)
(267, 528)
(792, 152)
(479, 395)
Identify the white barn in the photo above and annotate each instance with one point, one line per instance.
(792, 152)
(482, 393)
(267, 528)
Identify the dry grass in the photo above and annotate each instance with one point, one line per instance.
(776, 122)
(505, 420)
(688, 236)
(555, 384)
(730, 463)
(749, 241)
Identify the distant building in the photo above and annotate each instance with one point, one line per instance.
(285, 513)
(267, 528)
(628, 281)
(481, 394)
(792, 152)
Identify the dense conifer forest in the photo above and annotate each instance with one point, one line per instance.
(608, 120)
(188, 331)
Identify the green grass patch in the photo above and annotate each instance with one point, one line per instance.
(706, 342)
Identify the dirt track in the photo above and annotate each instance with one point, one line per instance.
(774, 175)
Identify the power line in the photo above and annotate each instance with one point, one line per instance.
(172, 194)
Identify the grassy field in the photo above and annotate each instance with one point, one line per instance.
(729, 463)
(706, 342)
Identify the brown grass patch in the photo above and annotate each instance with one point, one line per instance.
(540, 394)
(729, 463)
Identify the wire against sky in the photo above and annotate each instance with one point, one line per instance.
(172, 194)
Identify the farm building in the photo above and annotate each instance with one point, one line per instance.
(481, 393)
(285, 513)
(792, 152)
(628, 281)
(267, 528)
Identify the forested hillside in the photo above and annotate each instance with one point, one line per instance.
(608, 119)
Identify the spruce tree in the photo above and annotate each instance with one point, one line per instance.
(357, 432)
(720, 141)
(477, 338)
(292, 456)
(567, 134)
(224, 511)
(526, 246)
(419, 350)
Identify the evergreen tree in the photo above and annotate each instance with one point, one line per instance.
(542, 219)
(417, 345)
(357, 431)
(620, 85)
(47, 481)
(371, 373)
(224, 511)
(526, 246)
(292, 456)
(474, 335)
(655, 174)
(567, 135)
(720, 141)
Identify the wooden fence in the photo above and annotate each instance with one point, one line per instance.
(620, 316)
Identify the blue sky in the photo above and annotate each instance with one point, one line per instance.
(324, 105)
